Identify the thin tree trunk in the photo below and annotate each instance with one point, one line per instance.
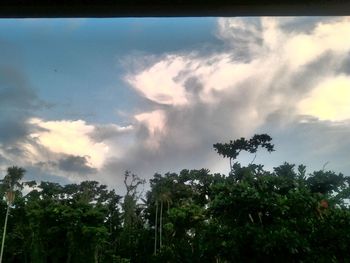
(69, 257)
(160, 224)
(69, 238)
(96, 254)
(4, 233)
(155, 230)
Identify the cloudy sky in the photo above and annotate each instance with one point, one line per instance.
(87, 99)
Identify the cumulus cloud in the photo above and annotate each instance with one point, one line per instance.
(47, 149)
(71, 138)
(153, 124)
(157, 83)
(18, 101)
(244, 35)
(330, 100)
(266, 69)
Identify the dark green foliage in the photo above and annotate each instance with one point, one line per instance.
(233, 148)
(12, 179)
(251, 215)
(72, 223)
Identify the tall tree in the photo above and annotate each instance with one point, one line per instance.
(131, 219)
(10, 184)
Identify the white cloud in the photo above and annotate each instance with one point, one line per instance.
(158, 82)
(330, 100)
(68, 137)
(165, 81)
(263, 69)
(155, 122)
(239, 34)
(304, 48)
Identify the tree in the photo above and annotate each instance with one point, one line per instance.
(260, 216)
(250, 215)
(10, 184)
(162, 194)
(233, 148)
(179, 224)
(131, 219)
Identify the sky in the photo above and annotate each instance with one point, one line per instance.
(88, 99)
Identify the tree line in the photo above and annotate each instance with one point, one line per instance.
(248, 215)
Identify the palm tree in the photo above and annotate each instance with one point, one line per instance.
(10, 184)
(160, 197)
(165, 196)
(155, 229)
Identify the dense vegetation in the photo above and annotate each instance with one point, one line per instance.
(250, 215)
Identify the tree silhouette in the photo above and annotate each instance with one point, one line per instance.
(232, 149)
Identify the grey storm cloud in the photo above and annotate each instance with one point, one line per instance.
(12, 129)
(15, 91)
(69, 167)
(309, 141)
(107, 132)
(194, 86)
(304, 24)
(75, 164)
(303, 80)
(17, 101)
(345, 66)
(37, 173)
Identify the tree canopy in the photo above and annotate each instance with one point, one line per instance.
(250, 215)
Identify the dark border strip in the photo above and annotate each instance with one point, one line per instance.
(168, 8)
